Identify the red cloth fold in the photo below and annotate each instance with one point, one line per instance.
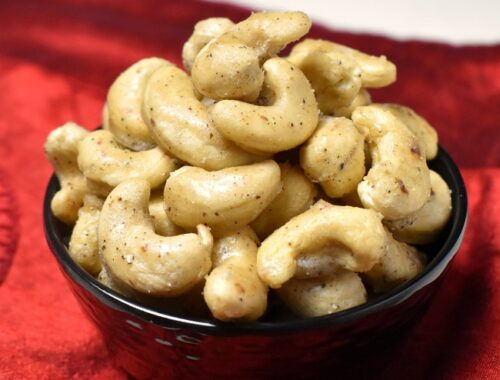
(57, 59)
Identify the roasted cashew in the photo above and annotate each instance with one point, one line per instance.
(136, 257)
(355, 236)
(363, 98)
(321, 296)
(334, 156)
(426, 135)
(124, 104)
(296, 197)
(83, 246)
(105, 117)
(106, 164)
(233, 290)
(337, 72)
(400, 263)
(398, 183)
(229, 66)
(283, 122)
(61, 148)
(204, 32)
(424, 225)
(180, 123)
(161, 222)
(224, 200)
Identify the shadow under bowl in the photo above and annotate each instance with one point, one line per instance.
(150, 343)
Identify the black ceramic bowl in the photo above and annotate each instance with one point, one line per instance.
(150, 343)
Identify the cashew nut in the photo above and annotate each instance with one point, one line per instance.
(224, 200)
(106, 164)
(296, 197)
(425, 224)
(181, 125)
(61, 148)
(337, 72)
(124, 104)
(355, 236)
(204, 32)
(161, 222)
(398, 183)
(229, 66)
(233, 290)
(83, 247)
(137, 258)
(363, 98)
(426, 135)
(334, 156)
(400, 263)
(283, 122)
(321, 296)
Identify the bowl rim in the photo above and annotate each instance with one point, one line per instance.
(116, 301)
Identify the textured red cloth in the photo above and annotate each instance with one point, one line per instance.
(57, 59)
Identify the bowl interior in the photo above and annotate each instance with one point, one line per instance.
(439, 255)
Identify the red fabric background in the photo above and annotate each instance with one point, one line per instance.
(57, 59)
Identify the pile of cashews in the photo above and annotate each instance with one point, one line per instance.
(245, 172)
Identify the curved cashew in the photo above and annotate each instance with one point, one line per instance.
(400, 263)
(334, 156)
(180, 123)
(425, 224)
(105, 117)
(296, 197)
(124, 104)
(355, 236)
(106, 164)
(321, 296)
(61, 148)
(398, 182)
(225, 199)
(288, 120)
(426, 135)
(161, 222)
(204, 32)
(233, 290)
(337, 72)
(83, 247)
(363, 98)
(137, 258)
(228, 67)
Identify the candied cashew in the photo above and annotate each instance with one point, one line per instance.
(181, 125)
(229, 66)
(355, 237)
(83, 247)
(296, 197)
(225, 199)
(284, 120)
(425, 224)
(106, 164)
(204, 32)
(137, 258)
(400, 263)
(61, 148)
(334, 156)
(398, 182)
(314, 297)
(124, 105)
(233, 290)
(426, 135)
(338, 73)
